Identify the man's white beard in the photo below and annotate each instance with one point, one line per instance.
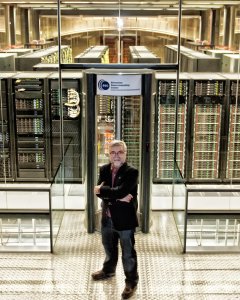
(117, 164)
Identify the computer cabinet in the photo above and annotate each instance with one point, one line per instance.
(207, 132)
(207, 135)
(208, 102)
(47, 56)
(69, 109)
(232, 140)
(6, 129)
(32, 131)
(192, 61)
(93, 54)
(131, 122)
(7, 62)
(141, 54)
(165, 109)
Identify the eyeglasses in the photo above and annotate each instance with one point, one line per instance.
(119, 153)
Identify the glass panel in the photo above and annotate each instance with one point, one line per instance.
(25, 223)
(58, 202)
(71, 110)
(179, 202)
(212, 230)
(24, 232)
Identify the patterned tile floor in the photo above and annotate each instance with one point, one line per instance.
(165, 273)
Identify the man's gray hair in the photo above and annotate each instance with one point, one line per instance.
(118, 143)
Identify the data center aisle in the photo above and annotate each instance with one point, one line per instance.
(165, 273)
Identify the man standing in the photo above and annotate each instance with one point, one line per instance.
(117, 187)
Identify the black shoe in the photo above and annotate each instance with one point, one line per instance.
(100, 275)
(128, 291)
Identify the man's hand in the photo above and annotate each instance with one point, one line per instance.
(97, 188)
(127, 198)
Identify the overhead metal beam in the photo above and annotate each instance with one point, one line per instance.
(84, 66)
(124, 13)
(125, 5)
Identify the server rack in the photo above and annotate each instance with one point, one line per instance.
(47, 56)
(232, 150)
(230, 63)
(192, 61)
(93, 54)
(106, 130)
(18, 51)
(141, 54)
(6, 130)
(207, 110)
(219, 53)
(119, 118)
(165, 116)
(32, 133)
(71, 114)
(131, 124)
(7, 62)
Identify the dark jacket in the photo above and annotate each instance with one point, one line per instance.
(123, 214)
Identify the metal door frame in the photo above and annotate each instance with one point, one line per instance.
(90, 141)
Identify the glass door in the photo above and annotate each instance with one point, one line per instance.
(119, 118)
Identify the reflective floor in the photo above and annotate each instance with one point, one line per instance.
(165, 273)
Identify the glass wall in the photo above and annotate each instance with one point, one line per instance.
(31, 136)
(208, 219)
(196, 109)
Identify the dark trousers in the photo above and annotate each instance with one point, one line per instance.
(110, 238)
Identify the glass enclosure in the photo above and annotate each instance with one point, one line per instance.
(196, 109)
(207, 218)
